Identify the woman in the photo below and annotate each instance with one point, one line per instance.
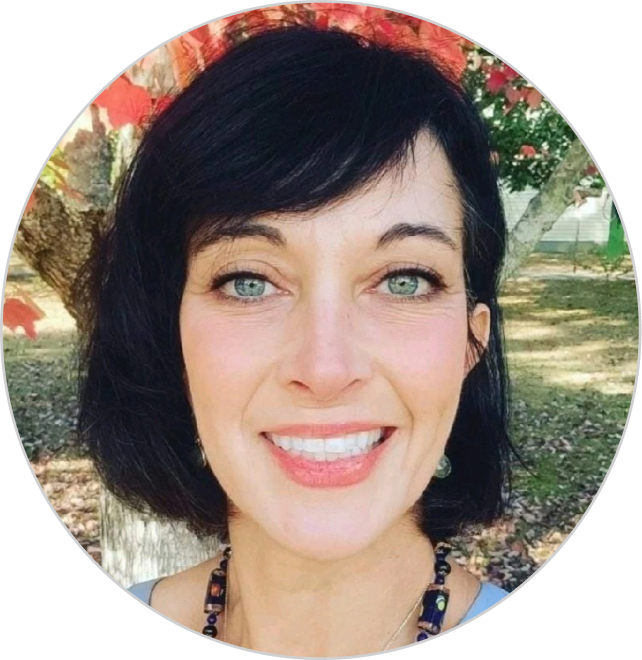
(301, 284)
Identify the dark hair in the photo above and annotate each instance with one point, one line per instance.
(292, 119)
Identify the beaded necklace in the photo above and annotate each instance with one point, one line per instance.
(434, 599)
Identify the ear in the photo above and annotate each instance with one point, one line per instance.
(479, 324)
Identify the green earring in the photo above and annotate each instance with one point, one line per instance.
(444, 468)
(199, 454)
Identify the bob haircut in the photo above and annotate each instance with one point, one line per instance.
(292, 119)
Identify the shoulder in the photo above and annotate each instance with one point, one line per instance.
(179, 596)
(488, 595)
(143, 590)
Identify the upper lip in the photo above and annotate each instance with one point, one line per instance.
(324, 430)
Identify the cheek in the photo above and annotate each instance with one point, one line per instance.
(222, 357)
(225, 363)
(426, 361)
(427, 373)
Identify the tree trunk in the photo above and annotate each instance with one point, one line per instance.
(137, 547)
(56, 236)
(54, 239)
(546, 207)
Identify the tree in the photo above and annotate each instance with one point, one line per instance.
(68, 209)
(534, 147)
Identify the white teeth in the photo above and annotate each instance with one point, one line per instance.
(351, 442)
(339, 445)
(286, 442)
(328, 449)
(314, 446)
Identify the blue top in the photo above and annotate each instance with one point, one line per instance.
(488, 595)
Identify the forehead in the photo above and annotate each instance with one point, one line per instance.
(418, 198)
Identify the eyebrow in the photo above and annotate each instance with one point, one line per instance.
(393, 234)
(405, 229)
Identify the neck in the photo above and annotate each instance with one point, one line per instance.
(280, 602)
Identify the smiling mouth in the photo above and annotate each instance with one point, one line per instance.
(333, 448)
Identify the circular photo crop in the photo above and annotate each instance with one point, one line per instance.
(320, 330)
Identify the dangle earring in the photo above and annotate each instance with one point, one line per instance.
(201, 458)
(444, 468)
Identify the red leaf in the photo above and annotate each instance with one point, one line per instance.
(466, 43)
(31, 202)
(348, 17)
(161, 104)
(513, 95)
(386, 30)
(192, 52)
(445, 45)
(367, 12)
(338, 9)
(202, 34)
(125, 102)
(321, 20)
(533, 98)
(395, 33)
(528, 151)
(510, 74)
(496, 81)
(255, 17)
(18, 314)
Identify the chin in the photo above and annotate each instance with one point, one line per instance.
(323, 548)
(327, 538)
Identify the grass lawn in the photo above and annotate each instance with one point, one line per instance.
(572, 351)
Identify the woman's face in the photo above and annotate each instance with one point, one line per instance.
(325, 331)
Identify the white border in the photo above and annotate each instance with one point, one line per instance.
(267, 6)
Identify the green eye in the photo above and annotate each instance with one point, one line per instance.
(403, 284)
(249, 286)
(243, 287)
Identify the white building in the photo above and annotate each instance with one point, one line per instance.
(584, 227)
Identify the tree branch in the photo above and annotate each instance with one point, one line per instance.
(546, 207)
(55, 240)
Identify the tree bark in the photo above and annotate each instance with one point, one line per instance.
(56, 236)
(546, 207)
(136, 547)
(55, 239)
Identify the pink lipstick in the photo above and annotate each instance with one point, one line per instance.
(346, 471)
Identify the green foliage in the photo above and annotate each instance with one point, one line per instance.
(54, 173)
(611, 264)
(514, 126)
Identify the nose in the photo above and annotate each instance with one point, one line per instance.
(326, 359)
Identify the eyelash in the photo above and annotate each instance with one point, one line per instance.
(432, 277)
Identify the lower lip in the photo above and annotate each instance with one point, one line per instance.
(328, 474)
